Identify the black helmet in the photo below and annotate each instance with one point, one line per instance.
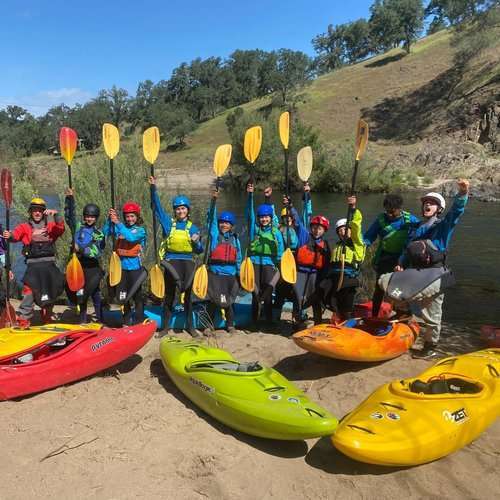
(91, 210)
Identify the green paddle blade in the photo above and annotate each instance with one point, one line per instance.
(200, 282)
(157, 281)
(288, 267)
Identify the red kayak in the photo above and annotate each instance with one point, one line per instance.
(71, 356)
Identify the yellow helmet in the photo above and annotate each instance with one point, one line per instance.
(37, 202)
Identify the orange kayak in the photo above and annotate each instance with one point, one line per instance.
(359, 339)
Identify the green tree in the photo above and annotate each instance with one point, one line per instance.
(411, 18)
(330, 49)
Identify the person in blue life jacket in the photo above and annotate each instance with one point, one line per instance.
(223, 264)
(392, 229)
(347, 256)
(130, 241)
(89, 246)
(427, 248)
(265, 248)
(181, 243)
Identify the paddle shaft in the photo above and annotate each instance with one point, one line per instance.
(70, 185)
(7, 251)
(287, 193)
(211, 214)
(155, 224)
(112, 187)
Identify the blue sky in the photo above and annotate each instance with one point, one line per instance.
(63, 51)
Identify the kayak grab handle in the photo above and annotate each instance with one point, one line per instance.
(276, 388)
(394, 406)
(493, 371)
(359, 428)
(314, 413)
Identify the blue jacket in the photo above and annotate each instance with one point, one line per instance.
(441, 231)
(166, 225)
(217, 237)
(133, 234)
(254, 228)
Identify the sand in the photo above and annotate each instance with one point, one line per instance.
(129, 433)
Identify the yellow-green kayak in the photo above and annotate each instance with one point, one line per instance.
(245, 396)
(14, 339)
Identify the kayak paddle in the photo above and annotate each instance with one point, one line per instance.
(150, 150)
(360, 147)
(111, 141)
(288, 267)
(8, 317)
(251, 148)
(221, 162)
(75, 277)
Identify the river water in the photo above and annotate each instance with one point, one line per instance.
(473, 253)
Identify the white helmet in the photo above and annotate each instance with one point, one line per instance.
(436, 197)
(340, 223)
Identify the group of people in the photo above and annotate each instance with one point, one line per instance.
(327, 274)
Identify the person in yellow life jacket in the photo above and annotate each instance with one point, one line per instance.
(347, 257)
(266, 246)
(181, 242)
(130, 240)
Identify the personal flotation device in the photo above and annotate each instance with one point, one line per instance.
(393, 240)
(313, 254)
(265, 243)
(225, 251)
(178, 241)
(126, 248)
(41, 244)
(86, 236)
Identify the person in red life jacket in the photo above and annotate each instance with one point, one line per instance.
(223, 264)
(130, 240)
(312, 258)
(347, 257)
(43, 281)
(181, 242)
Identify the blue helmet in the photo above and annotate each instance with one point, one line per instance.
(181, 201)
(264, 210)
(227, 217)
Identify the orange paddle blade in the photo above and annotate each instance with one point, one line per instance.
(6, 182)
(67, 143)
(74, 274)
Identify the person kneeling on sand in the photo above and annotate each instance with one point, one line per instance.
(421, 274)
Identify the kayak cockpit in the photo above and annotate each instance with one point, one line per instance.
(224, 366)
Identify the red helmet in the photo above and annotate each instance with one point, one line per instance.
(131, 208)
(320, 220)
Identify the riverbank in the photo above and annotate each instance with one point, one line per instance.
(129, 433)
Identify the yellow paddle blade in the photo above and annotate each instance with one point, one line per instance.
(151, 144)
(247, 275)
(157, 281)
(288, 267)
(222, 158)
(252, 143)
(74, 274)
(284, 127)
(111, 140)
(361, 139)
(115, 269)
(305, 163)
(200, 282)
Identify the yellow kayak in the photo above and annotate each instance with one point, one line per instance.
(417, 420)
(14, 339)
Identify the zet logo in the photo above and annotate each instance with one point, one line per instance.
(456, 417)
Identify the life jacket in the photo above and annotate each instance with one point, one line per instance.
(393, 240)
(125, 248)
(225, 252)
(265, 243)
(86, 236)
(41, 244)
(348, 254)
(178, 241)
(313, 254)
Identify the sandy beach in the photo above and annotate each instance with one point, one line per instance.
(129, 433)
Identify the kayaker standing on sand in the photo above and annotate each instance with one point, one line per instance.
(43, 281)
(342, 300)
(89, 245)
(392, 229)
(130, 242)
(427, 251)
(181, 242)
(223, 264)
(265, 249)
